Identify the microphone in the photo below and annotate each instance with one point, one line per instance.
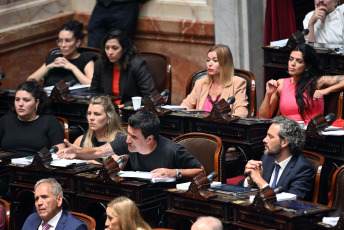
(231, 100)
(2, 75)
(305, 32)
(70, 83)
(53, 149)
(330, 118)
(279, 189)
(163, 94)
(121, 160)
(212, 176)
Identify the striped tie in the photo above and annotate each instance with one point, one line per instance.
(45, 226)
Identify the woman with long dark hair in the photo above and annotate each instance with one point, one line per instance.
(301, 96)
(121, 71)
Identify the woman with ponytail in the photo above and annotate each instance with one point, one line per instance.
(301, 96)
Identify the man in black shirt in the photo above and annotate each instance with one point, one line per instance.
(146, 150)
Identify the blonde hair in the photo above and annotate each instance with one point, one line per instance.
(114, 124)
(127, 213)
(225, 59)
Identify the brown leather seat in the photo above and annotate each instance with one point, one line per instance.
(250, 87)
(64, 122)
(89, 221)
(159, 66)
(334, 104)
(337, 190)
(6, 208)
(317, 161)
(207, 149)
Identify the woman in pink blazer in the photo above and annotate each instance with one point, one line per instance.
(220, 83)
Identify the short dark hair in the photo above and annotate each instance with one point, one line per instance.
(291, 131)
(148, 122)
(128, 51)
(36, 89)
(75, 27)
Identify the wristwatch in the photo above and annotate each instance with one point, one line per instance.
(179, 174)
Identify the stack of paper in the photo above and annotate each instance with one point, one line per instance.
(185, 186)
(285, 196)
(144, 176)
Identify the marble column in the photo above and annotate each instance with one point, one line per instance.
(240, 25)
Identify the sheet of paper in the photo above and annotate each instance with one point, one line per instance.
(144, 175)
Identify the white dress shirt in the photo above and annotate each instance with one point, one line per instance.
(53, 221)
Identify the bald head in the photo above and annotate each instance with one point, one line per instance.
(207, 223)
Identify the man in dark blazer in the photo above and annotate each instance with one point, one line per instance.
(48, 202)
(283, 163)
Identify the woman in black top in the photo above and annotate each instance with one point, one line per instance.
(103, 122)
(70, 64)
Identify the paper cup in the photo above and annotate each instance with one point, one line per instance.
(136, 102)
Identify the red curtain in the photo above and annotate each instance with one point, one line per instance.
(279, 20)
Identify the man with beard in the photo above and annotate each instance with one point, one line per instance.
(146, 149)
(325, 23)
(283, 163)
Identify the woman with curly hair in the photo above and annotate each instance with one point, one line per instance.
(121, 71)
(123, 214)
(301, 96)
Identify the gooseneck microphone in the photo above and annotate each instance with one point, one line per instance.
(2, 75)
(305, 32)
(163, 94)
(279, 189)
(231, 100)
(212, 176)
(53, 149)
(121, 160)
(70, 83)
(330, 118)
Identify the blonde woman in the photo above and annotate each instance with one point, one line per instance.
(220, 83)
(123, 214)
(103, 122)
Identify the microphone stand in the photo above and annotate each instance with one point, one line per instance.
(154, 103)
(41, 161)
(316, 126)
(60, 93)
(263, 201)
(108, 173)
(219, 113)
(198, 188)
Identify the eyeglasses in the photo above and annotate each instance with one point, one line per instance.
(60, 41)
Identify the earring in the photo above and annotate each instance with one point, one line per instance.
(36, 107)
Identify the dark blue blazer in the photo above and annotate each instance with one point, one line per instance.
(66, 222)
(298, 176)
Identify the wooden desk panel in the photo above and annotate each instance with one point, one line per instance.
(235, 213)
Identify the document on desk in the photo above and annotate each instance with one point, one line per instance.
(22, 160)
(56, 162)
(144, 176)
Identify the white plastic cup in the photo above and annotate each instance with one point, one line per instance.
(136, 102)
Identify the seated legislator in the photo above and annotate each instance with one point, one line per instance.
(220, 83)
(103, 125)
(49, 215)
(325, 23)
(70, 64)
(283, 163)
(301, 96)
(30, 129)
(146, 149)
(207, 223)
(123, 214)
(121, 71)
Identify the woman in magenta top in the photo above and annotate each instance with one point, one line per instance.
(301, 96)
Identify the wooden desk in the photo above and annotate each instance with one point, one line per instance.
(234, 213)
(22, 181)
(94, 195)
